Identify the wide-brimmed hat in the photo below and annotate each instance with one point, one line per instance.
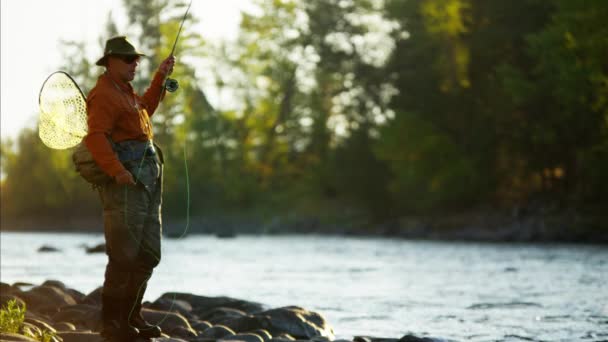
(119, 45)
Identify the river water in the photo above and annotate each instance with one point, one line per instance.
(363, 286)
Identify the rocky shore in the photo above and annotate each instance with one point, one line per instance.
(57, 313)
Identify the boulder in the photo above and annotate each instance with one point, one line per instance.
(182, 332)
(42, 325)
(167, 320)
(165, 304)
(47, 249)
(247, 337)
(220, 313)
(199, 325)
(100, 248)
(93, 298)
(9, 337)
(216, 332)
(297, 322)
(80, 336)
(64, 326)
(46, 299)
(412, 338)
(81, 315)
(5, 298)
(202, 303)
(245, 323)
(264, 334)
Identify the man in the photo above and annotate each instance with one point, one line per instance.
(120, 140)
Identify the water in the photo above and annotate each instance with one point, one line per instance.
(378, 287)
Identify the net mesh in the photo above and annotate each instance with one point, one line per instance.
(63, 112)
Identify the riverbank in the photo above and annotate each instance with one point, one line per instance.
(495, 226)
(60, 313)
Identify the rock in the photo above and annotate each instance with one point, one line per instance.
(202, 303)
(40, 324)
(285, 337)
(169, 339)
(168, 321)
(46, 299)
(181, 306)
(9, 337)
(245, 323)
(412, 338)
(183, 332)
(247, 337)
(93, 298)
(264, 334)
(297, 322)
(77, 295)
(80, 336)
(216, 332)
(5, 298)
(48, 249)
(199, 325)
(218, 314)
(81, 315)
(100, 248)
(64, 326)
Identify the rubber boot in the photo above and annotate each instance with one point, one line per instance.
(146, 330)
(115, 322)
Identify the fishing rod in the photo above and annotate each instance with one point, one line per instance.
(171, 84)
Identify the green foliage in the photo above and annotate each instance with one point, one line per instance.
(386, 107)
(12, 316)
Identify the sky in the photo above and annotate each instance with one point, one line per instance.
(32, 29)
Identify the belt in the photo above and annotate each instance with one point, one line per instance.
(129, 150)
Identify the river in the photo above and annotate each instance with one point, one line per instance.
(363, 286)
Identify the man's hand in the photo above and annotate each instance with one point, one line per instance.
(125, 178)
(166, 67)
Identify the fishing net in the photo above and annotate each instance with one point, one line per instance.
(63, 112)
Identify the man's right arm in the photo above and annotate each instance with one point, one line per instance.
(101, 120)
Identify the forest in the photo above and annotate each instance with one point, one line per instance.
(343, 111)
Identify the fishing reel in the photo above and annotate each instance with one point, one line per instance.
(171, 85)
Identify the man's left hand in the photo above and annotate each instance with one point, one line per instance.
(166, 67)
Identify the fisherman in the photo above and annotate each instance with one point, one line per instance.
(120, 141)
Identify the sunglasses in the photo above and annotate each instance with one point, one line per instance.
(129, 59)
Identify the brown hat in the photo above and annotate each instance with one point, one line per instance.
(118, 46)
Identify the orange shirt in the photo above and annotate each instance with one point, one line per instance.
(117, 112)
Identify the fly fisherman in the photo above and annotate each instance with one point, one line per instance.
(120, 141)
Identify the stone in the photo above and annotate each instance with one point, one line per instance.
(199, 325)
(93, 298)
(264, 334)
(167, 320)
(219, 313)
(5, 298)
(40, 324)
(243, 324)
(217, 332)
(81, 315)
(9, 337)
(202, 303)
(166, 304)
(100, 248)
(48, 249)
(46, 298)
(80, 336)
(182, 332)
(297, 322)
(64, 326)
(247, 337)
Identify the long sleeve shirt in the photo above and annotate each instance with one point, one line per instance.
(115, 111)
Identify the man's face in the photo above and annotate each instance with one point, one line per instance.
(123, 67)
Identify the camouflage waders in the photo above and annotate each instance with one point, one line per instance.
(133, 229)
